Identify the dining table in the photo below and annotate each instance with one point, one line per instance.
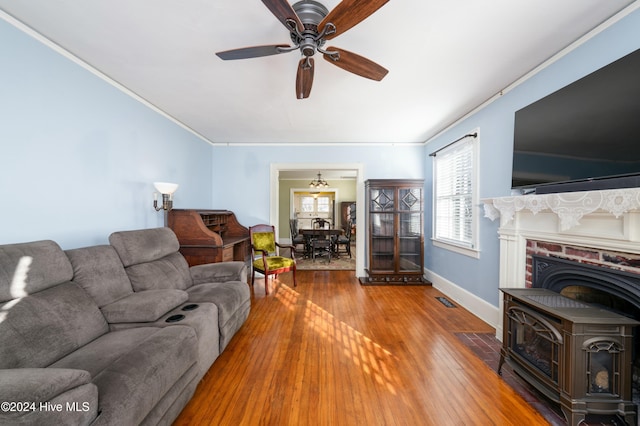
(321, 232)
(309, 234)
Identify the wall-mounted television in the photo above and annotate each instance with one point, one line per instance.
(584, 136)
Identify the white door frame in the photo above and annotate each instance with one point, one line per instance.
(274, 196)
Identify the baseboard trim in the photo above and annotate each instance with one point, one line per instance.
(477, 306)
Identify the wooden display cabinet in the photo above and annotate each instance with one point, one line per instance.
(395, 227)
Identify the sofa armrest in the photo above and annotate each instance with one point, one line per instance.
(219, 272)
(144, 306)
(39, 384)
(47, 395)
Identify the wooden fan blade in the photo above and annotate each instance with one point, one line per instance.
(251, 52)
(283, 11)
(304, 79)
(356, 64)
(349, 13)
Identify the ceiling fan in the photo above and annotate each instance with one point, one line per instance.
(310, 25)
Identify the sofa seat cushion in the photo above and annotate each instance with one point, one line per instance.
(133, 369)
(227, 296)
(47, 326)
(144, 306)
(203, 319)
(233, 299)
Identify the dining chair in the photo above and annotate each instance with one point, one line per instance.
(321, 245)
(296, 238)
(320, 223)
(265, 255)
(344, 240)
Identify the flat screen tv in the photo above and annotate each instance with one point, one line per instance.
(584, 136)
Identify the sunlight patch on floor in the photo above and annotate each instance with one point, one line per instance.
(286, 295)
(372, 358)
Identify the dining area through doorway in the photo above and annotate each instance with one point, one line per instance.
(316, 217)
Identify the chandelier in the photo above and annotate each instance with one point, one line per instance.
(319, 182)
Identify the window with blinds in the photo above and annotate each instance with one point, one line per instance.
(455, 194)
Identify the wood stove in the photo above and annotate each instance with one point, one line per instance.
(577, 354)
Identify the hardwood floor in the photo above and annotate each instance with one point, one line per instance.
(333, 352)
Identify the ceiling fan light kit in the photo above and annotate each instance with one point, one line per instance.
(310, 25)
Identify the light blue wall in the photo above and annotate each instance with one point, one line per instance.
(241, 173)
(495, 122)
(78, 156)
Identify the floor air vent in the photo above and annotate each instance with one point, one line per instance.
(446, 302)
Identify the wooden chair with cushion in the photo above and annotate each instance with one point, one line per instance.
(265, 254)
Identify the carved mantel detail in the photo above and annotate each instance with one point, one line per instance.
(570, 207)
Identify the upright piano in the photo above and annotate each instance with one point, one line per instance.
(209, 236)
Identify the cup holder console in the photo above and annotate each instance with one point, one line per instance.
(190, 307)
(175, 318)
(180, 317)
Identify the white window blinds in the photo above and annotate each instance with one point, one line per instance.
(454, 177)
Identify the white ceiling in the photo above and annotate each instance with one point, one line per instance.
(444, 59)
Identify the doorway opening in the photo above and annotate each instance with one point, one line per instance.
(276, 212)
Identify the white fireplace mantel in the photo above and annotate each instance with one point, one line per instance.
(605, 220)
(570, 207)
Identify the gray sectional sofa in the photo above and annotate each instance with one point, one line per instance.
(116, 334)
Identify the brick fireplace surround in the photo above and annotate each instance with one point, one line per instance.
(621, 261)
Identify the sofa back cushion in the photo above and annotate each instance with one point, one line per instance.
(171, 271)
(144, 245)
(100, 272)
(40, 329)
(43, 316)
(151, 259)
(27, 268)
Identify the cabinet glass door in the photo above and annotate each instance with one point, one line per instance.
(382, 229)
(382, 242)
(410, 229)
